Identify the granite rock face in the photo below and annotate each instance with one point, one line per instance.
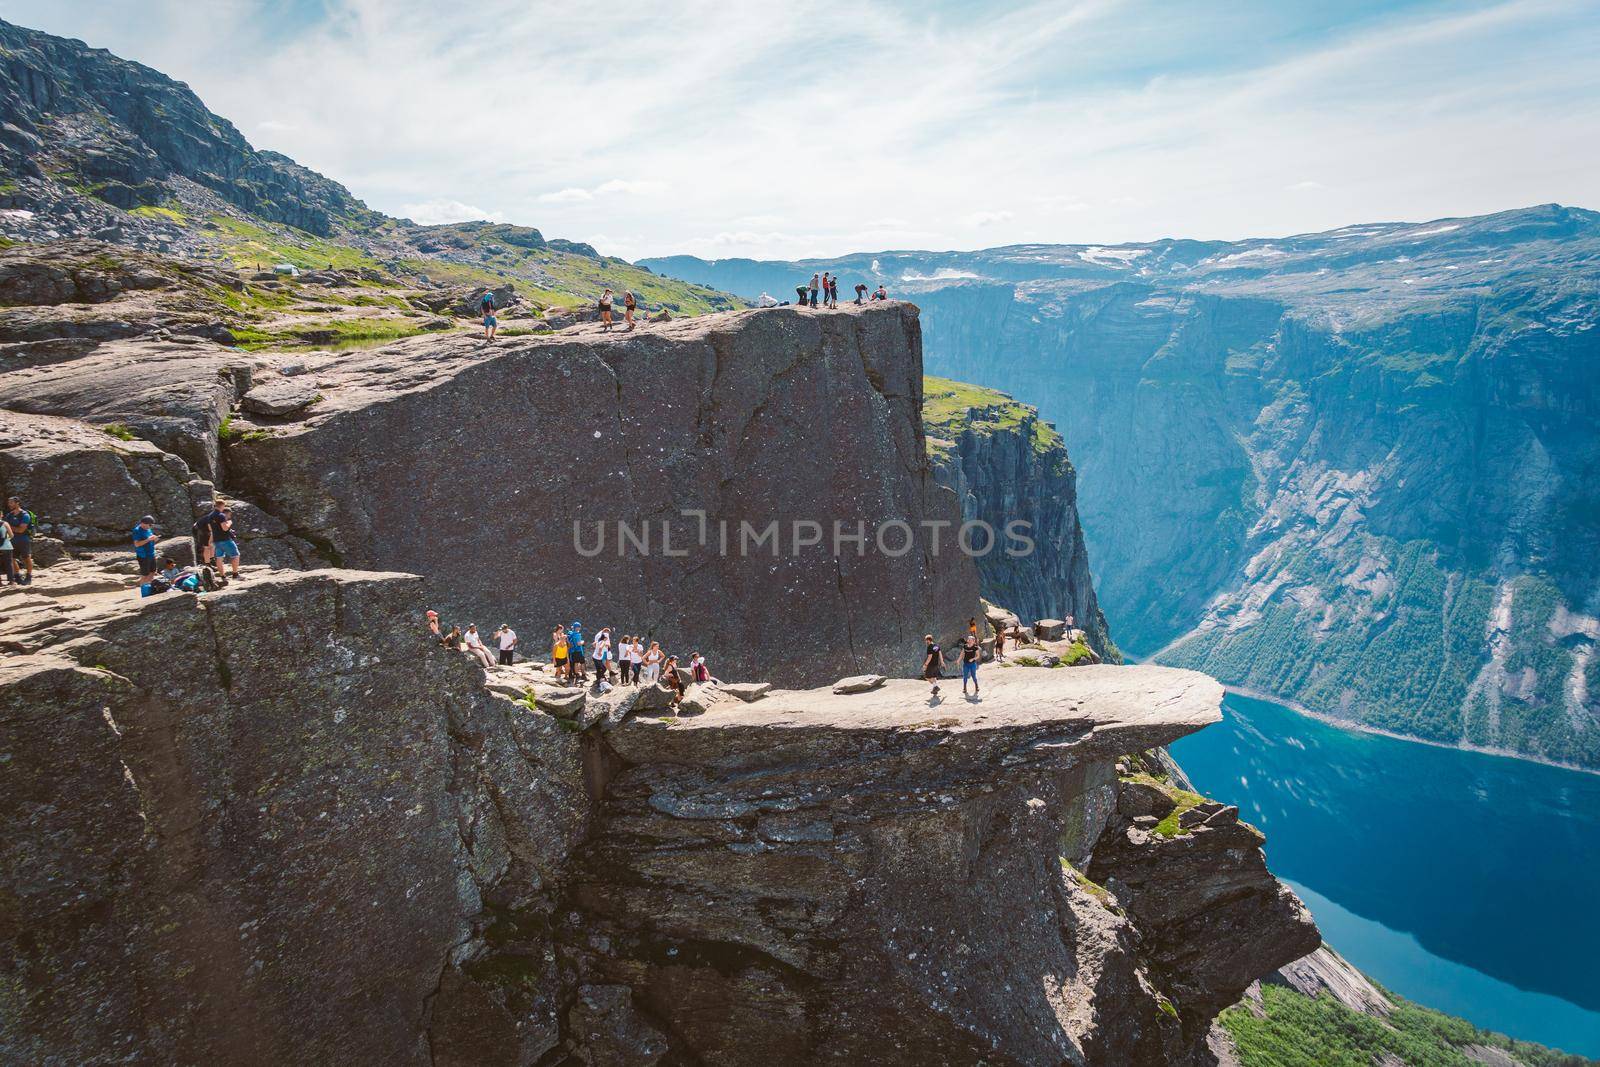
(501, 472)
(1007, 465)
(278, 823)
(264, 825)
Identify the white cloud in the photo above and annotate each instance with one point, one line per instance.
(569, 195)
(988, 218)
(916, 123)
(434, 212)
(1305, 186)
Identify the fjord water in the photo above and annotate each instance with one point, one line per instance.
(1463, 881)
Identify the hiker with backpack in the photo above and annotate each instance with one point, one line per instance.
(605, 310)
(22, 522)
(490, 323)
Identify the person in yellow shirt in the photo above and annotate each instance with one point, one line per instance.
(558, 652)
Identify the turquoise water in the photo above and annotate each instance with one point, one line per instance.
(1462, 881)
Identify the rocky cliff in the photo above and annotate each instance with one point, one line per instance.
(729, 447)
(1350, 469)
(1007, 465)
(277, 823)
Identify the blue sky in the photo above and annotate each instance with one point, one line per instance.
(783, 130)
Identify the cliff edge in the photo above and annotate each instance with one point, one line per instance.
(277, 823)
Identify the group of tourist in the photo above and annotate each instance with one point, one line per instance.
(971, 652)
(623, 661)
(824, 292)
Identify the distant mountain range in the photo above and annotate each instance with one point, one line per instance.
(92, 145)
(1356, 470)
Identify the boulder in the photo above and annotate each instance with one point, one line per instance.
(747, 691)
(283, 396)
(1049, 629)
(860, 683)
(563, 703)
(655, 697)
(88, 486)
(698, 698)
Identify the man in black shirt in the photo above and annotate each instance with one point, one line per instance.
(970, 651)
(932, 663)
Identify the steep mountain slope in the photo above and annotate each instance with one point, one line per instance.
(1356, 470)
(92, 145)
(1007, 465)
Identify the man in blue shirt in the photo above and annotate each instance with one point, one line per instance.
(21, 520)
(575, 651)
(144, 547)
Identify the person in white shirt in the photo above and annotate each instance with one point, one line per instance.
(475, 647)
(507, 638)
(636, 657)
(652, 664)
(602, 654)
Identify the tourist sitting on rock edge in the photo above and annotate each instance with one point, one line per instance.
(670, 679)
(433, 622)
(698, 669)
(452, 639)
(881, 293)
(475, 647)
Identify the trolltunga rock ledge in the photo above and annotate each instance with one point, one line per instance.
(277, 822)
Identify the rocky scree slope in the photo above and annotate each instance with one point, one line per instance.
(1005, 464)
(276, 823)
(95, 146)
(1351, 469)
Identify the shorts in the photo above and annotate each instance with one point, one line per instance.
(560, 661)
(969, 672)
(147, 565)
(22, 549)
(226, 549)
(490, 321)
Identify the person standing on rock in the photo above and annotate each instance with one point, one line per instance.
(629, 306)
(932, 664)
(558, 653)
(506, 639)
(999, 642)
(833, 292)
(21, 521)
(144, 547)
(636, 657)
(605, 310)
(816, 284)
(490, 324)
(223, 546)
(624, 664)
(652, 663)
(5, 553)
(575, 654)
(970, 652)
(602, 654)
